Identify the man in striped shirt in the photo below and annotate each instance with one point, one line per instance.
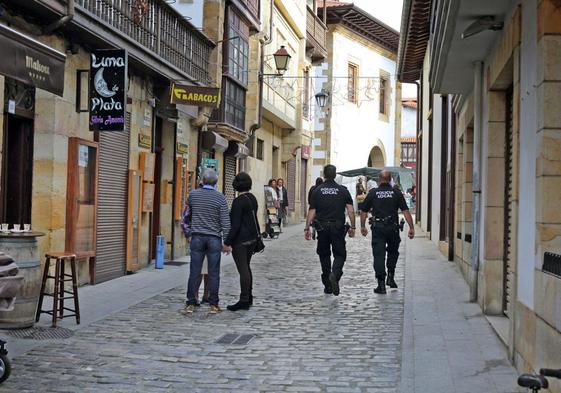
(210, 224)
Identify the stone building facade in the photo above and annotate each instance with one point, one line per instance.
(497, 134)
(102, 195)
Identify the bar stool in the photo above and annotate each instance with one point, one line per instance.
(59, 292)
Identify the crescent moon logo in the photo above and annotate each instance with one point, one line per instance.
(101, 85)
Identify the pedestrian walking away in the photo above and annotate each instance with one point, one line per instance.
(384, 203)
(243, 236)
(210, 223)
(327, 209)
(319, 181)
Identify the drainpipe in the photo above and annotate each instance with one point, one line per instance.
(62, 21)
(477, 136)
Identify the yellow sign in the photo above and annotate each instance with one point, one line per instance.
(182, 148)
(195, 95)
(145, 141)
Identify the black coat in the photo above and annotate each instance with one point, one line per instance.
(284, 196)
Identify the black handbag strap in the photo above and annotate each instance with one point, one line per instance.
(253, 215)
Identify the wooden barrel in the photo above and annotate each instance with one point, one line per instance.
(23, 249)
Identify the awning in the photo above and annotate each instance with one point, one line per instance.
(404, 177)
(213, 141)
(31, 62)
(238, 150)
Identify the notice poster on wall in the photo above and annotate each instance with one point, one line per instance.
(108, 87)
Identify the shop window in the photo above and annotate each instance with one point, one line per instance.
(352, 83)
(259, 149)
(81, 202)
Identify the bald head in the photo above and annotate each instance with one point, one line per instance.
(385, 177)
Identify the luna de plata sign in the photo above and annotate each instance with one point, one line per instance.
(108, 86)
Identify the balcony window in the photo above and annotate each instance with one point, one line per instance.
(237, 48)
(259, 149)
(353, 83)
(383, 96)
(234, 104)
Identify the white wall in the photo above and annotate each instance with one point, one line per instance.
(425, 145)
(528, 147)
(437, 163)
(356, 129)
(408, 121)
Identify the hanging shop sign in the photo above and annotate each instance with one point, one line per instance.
(31, 62)
(305, 152)
(108, 87)
(195, 95)
(144, 141)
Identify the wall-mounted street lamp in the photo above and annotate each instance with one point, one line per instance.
(321, 98)
(282, 59)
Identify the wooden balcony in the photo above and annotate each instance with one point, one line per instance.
(249, 9)
(157, 27)
(316, 37)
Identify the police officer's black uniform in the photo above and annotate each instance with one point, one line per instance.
(383, 202)
(330, 201)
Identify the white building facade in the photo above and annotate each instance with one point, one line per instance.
(360, 123)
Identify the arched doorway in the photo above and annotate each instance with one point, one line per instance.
(376, 158)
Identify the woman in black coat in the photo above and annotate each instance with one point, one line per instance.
(244, 231)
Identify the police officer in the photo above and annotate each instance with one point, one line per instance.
(383, 202)
(327, 210)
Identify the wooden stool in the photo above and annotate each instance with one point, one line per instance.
(59, 292)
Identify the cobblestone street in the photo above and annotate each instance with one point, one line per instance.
(304, 340)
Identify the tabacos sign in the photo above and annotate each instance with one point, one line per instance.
(195, 95)
(108, 87)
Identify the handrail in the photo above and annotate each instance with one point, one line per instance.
(159, 28)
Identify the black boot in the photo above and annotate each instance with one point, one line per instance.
(251, 300)
(390, 281)
(238, 306)
(381, 289)
(334, 284)
(327, 290)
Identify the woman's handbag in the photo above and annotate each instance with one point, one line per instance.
(259, 245)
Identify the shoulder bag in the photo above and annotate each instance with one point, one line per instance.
(259, 245)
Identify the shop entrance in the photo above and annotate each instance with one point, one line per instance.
(17, 159)
(17, 170)
(156, 213)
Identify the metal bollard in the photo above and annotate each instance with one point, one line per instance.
(160, 243)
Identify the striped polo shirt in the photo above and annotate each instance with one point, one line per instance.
(209, 212)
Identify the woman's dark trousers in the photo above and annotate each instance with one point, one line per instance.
(242, 256)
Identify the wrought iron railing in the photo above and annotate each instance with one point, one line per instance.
(160, 29)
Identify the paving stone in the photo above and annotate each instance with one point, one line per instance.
(305, 341)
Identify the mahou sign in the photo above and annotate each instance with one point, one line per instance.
(108, 87)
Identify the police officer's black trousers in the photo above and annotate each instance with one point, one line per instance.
(385, 238)
(331, 237)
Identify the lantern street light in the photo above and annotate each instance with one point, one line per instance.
(321, 98)
(282, 58)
